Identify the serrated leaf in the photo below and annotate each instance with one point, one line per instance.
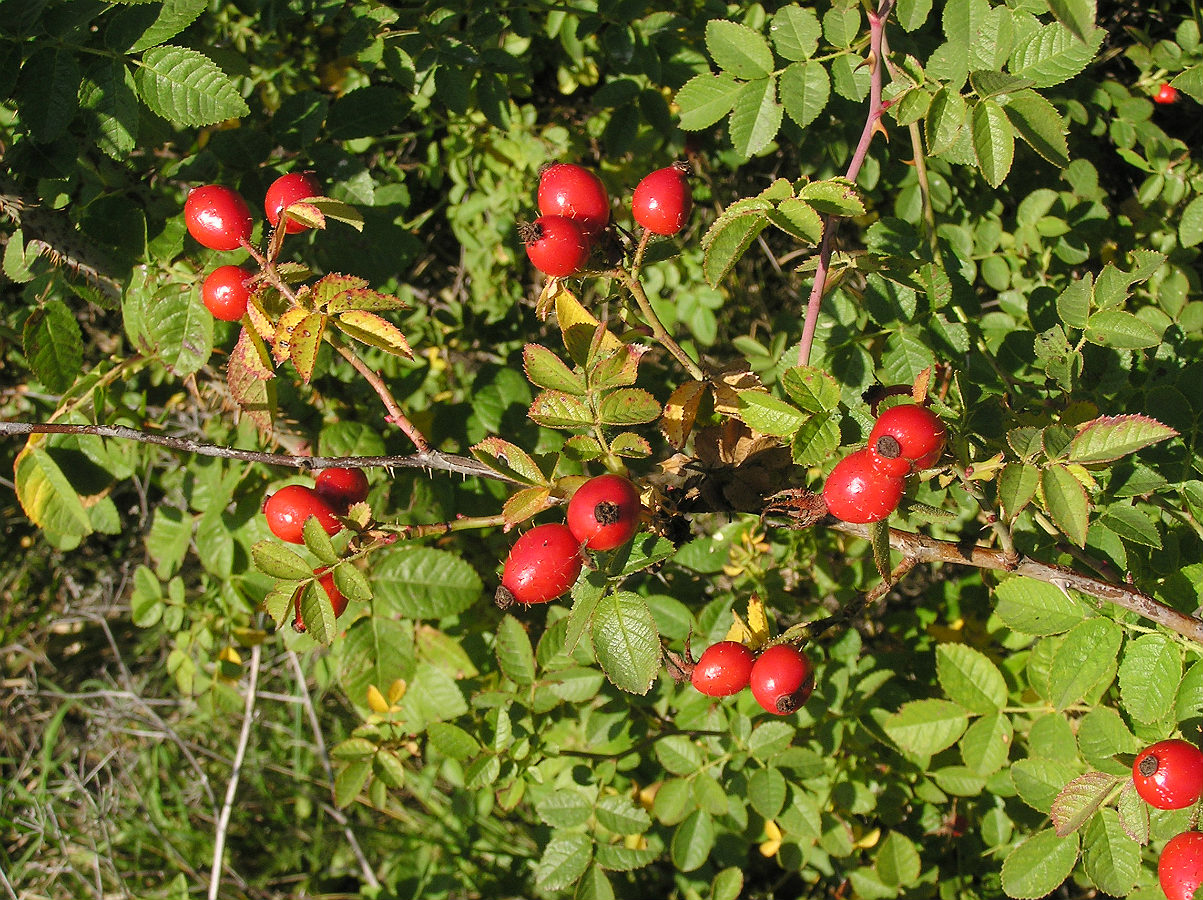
(1039, 865)
(618, 369)
(369, 328)
(993, 141)
(350, 781)
(47, 497)
(811, 388)
(815, 441)
(1040, 125)
(330, 208)
(53, 345)
(1149, 675)
(768, 414)
(317, 613)
(897, 861)
(181, 331)
(947, 117)
(970, 679)
(1079, 800)
(619, 814)
(524, 504)
(795, 32)
(805, 89)
(617, 858)
(1190, 224)
(359, 298)
(693, 841)
(706, 98)
(248, 376)
(509, 460)
(798, 219)
(352, 583)
(276, 560)
(986, 744)
(1133, 815)
(1035, 607)
(318, 542)
(555, 409)
(1066, 502)
(756, 117)
(879, 539)
(108, 93)
(546, 370)
(564, 860)
(1017, 484)
(767, 791)
(1122, 330)
(925, 727)
(514, 653)
(1087, 655)
(630, 446)
(989, 83)
(834, 197)
(681, 410)
(424, 583)
(628, 406)
(186, 87)
(739, 50)
(626, 641)
(1073, 303)
(726, 241)
(1111, 860)
(1053, 54)
(376, 652)
(173, 17)
(579, 328)
(1078, 16)
(47, 92)
(1109, 438)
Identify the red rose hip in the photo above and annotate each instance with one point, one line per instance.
(662, 200)
(723, 669)
(288, 509)
(1180, 867)
(782, 679)
(225, 293)
(576, 193)
(857, 491)
(604, 512)
(1167, 93)
(556, 245)
(1169, 774)
(284, 192)
(541, 566)
(920, 433)
(341, 488)
(217, 217)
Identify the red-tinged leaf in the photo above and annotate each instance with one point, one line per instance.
(261, 323)
(618, 369)
(1109, 438)
(328, 287)
(369, 328)
(337, 210)
(510, 460)
(628, 406)
(306, 214)
(630, 446)
(681, 411)
(583, 447)
(546, 370)
(555, 409)
(525, 503)
(304, 343)
(249, 377)
(289, 322)
(363, 298)
(1079, 800)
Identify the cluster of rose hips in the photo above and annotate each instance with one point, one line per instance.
(333, 493)
(781, 676)
(603, 514)
(218, 218)
(866, 486)
(575, 211)
(1169, 775)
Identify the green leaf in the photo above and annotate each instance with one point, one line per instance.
(1111, 859)
(181, 330)
(988, 83)
(706, 98)
(841, 25)
(693, 841)
(1149, 675)
(815, 441)
(514, 653)
(834, 197)
(947, 117)
(424, 583)
(628, 406)
(564, 808)
(986, 744)
(1109, 438)
(1133, 815)
(805, 90)
(728, 884)
(1122, 330)
(897, 861)
(1040, 125)
(47, 93)
(738, 50)
(925, 727)
(619, 814)
(350, 781)
(795, 32)
(911, 14)
(173, 17)
(187, 88)
(317, 613)
(564, 861)
(767, 792)
(756, 118)
(108, 93)
(1039, 865)
(993, 141)
(1078, 17)
(274, 559)
(970, 679)
(1079, 800)
(1017, 486)
(452, 741)
(433, 696)
(318, 542)
(626, 641)
(1053, 54)
(595, 884)
(679, 755)
(1086, 656)
(53, 345)
(47, 497)
(811, 388)
(1190, 225)
(798, 219)
(1066, 502)
(1040, 780)
(768, 414)
(1035, 607)
(510, 460)
(555, 409)
(1073, 304)
(726, 241)
(363, 326)
(770, 738)
(1188, 702)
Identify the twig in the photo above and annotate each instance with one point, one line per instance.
(223, 821)
(395, 413)
(812, 630)
(658, 330)
(877, 24)
(369, 876)
(432, 459)
(926, 549)
(998, 522)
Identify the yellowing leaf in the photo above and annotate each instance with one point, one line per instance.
(396, 691)
(579, 327)
(369, 328)
(758, 622)
(681, 411)
(304, 342)
(739, 630)
(289, 323)
(376, 700)
(772, 841)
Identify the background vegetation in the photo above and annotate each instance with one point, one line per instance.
(1023, 239)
